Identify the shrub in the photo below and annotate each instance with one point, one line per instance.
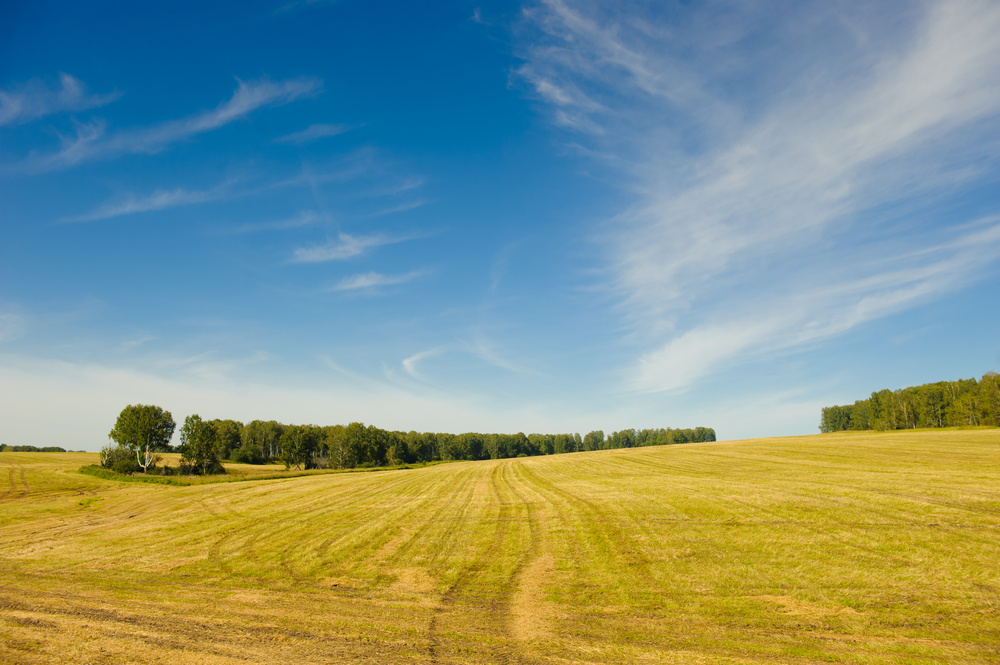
(187, 467)
(119, 459)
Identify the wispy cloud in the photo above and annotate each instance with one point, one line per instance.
(312, 133)
(499, 268)
(344, 247)
(136, 342)
(158, 200)
(405, 185)
(359, 165)
(818, 311)
(410, 364)
(303, 219)
(92, 142)
(486, 350)
(363, 162)
(373, 280)
(760, 223)
(402, 207)
(36, 100)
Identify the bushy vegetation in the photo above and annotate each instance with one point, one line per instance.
(961, 403)
(119, 459)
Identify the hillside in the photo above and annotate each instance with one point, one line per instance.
(847, 547)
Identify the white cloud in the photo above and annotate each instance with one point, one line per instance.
(362, 162)
(486, 350)
(405, 185)
(304, 218)
(759, 221)
(355, 166)
(344, 247)
(372, 280)
(402, 207)
(817, 311)
(312, 133)
(136, 342)
(158, 200)
(91, 143)
(410, 364)
(36, 100)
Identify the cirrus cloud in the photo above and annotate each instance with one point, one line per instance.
(787, 164)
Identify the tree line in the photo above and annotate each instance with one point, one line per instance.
(205, 444)
(965, 402)
(7, 448)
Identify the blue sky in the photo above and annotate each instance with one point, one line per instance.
(492, 216)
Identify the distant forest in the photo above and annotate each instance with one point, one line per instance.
(358, 445)
(965, 402)
(31, 449)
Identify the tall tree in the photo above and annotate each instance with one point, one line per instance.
(199, 446)
(145, 429)
(227, 434)
(299, 444)
(593, 441)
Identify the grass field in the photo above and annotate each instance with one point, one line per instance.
(854, 548)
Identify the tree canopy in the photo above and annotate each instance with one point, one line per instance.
(144, 429)
(200, 446)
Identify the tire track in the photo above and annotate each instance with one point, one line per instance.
(409, 542)
(10, 480)
(368, 538)
(13, 475)
(616, 540)
(522, 611)
(470, 579)
(236, 523)
(306, 531)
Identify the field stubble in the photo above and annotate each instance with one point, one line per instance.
(858, 548)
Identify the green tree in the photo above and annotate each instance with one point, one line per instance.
(336, 445)
(623, 439)
(593, 440)
(228, 434)
(199, 446)
(144, 429)
(251, 450)
(399, 453)
(475, 444)
(299, 444)
(989, 389)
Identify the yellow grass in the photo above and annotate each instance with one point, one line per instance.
(854, 548)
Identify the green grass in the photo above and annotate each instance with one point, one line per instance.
(847, 548)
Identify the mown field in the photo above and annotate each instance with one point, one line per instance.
(854, 548)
